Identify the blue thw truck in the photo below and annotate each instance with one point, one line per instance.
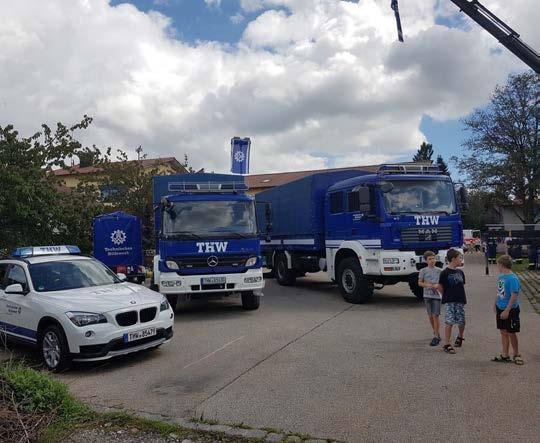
(365, 229)
(207, 239)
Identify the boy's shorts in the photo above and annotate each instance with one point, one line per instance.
(433, 306)
(512, 323)
(454, 314)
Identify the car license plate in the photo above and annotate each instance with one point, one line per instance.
(139, 335)
(213, 280)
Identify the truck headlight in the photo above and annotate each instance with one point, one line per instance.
(251, 261)
(86, 318)
(164, 305)
(171, 264)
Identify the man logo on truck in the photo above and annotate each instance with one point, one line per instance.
(426, 220)
(213, 246)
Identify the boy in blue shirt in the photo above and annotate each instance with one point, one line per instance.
(507, 310)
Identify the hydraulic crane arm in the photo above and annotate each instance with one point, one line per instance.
(501, 31)
(492, 24)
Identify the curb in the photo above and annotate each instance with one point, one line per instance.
(228, 430)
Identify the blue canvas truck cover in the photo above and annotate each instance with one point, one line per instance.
(298, 209)
(117, 239)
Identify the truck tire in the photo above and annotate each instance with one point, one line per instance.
(354, 286)
(173, 301)
(284, 276)
(416, 289)
(250, 301)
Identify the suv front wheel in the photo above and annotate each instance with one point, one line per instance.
(54, 349)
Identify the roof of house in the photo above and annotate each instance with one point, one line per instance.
(279, 178)
(146, 163)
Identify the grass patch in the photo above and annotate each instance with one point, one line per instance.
(29, 396)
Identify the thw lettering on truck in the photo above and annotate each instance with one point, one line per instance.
(213, 246)
(426, 220)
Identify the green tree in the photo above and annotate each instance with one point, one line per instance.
(442, 165)
(482, 209)
(424, 153)
(125, 185)
(503, 153)
(31, 208)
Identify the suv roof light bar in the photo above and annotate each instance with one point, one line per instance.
(227, 187)
(409, 169)
(33, 251)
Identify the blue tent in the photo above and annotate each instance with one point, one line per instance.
(117, 239)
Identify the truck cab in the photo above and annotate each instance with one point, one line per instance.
(207, 242)
(386, 221)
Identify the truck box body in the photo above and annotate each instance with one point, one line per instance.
(298, 210)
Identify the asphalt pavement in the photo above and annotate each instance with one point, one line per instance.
(309, 362)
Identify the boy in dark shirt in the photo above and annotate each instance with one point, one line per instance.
(452, 287)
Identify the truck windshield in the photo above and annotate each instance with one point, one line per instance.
(64, 275)
(420, 197)
(210, 218)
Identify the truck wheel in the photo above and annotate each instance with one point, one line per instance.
(250, 301)
(54, 349)
(284, 276)
(354, 286)
(416, 289)
(173, 301)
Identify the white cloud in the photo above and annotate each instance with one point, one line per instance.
(213, 3)
(312, 82)
(237, 18)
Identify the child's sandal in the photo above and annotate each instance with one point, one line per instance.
(449, 349)
(501, 359)
(458, 342)
(518, 360)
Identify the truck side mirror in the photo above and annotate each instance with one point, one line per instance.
(386, 187)
(463, 199)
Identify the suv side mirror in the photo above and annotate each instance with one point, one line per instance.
(122, 276)
(15, 289)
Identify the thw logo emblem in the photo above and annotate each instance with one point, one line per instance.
(422, 220)
(212, 246)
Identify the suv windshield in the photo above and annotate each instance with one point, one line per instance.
(420, 197)
(207, 218)
(64, 275)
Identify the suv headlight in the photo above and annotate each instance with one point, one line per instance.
(172, 264)
(86, 318)
(164, 305)
(251, 261)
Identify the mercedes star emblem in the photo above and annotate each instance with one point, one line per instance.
(212, 261)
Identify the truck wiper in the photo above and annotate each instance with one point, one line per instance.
(236, 234)
(181, 234)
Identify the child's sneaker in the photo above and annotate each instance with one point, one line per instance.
(518, 360)
(435, 341)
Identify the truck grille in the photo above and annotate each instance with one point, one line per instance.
(427, 234)
(199, 262)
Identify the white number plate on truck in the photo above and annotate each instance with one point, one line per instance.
(213, 280)
(138, 335)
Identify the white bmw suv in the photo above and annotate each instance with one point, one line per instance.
(74, 308)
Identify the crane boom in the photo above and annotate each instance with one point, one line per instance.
(501, 31)
(492, 24)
